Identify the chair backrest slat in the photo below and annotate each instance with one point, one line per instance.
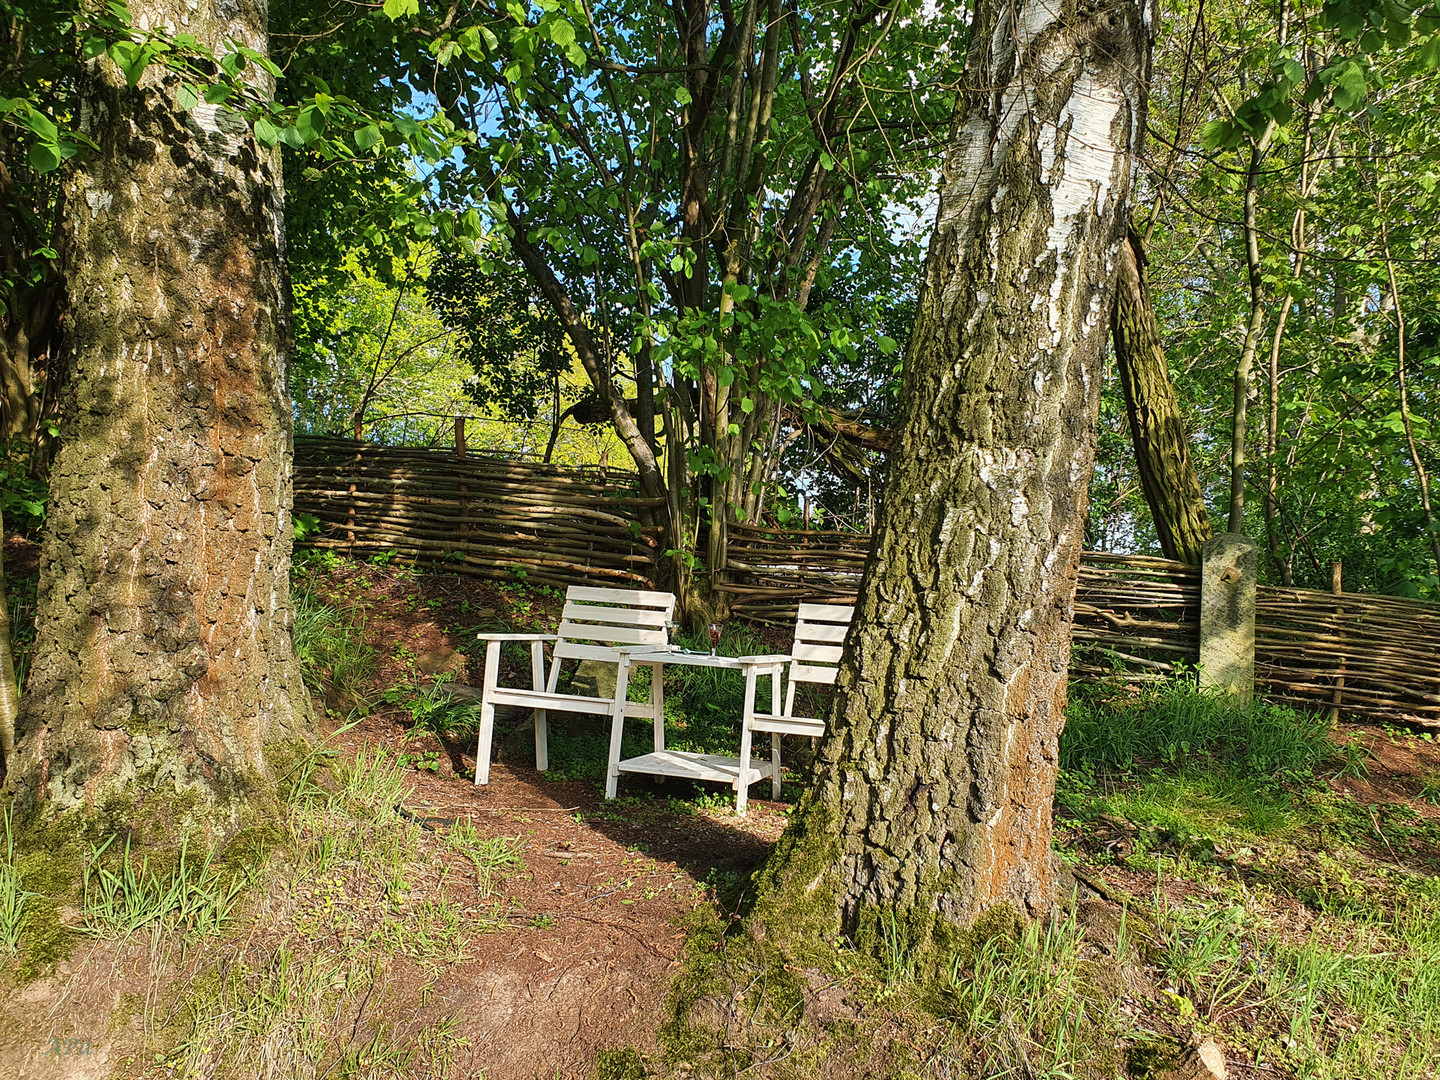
(821, 654)
(841, 613)
(613, 635)
(629, 597)
(825, 676)
(819, 633)
(595, 618)
(618, 616)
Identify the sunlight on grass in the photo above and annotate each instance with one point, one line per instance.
(1023, 1007)
(1309, 929)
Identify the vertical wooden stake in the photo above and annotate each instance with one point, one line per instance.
(1337, 696)
(350, 516)
(460, 449)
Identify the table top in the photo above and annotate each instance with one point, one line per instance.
(692, 658)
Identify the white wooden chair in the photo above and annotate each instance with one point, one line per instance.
(819, 635)
(596, 624)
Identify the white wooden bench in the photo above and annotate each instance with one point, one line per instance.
(596, 624)
(819, 635)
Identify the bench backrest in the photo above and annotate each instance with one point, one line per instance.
(596, 621)
(819, 634)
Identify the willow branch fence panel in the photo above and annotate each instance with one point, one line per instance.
(490, 517)
(1374, 656)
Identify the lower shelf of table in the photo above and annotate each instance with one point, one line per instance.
(687, 766)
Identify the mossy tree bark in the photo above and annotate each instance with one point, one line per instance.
(164, 658)
(1157, 426)
(9, 692)
(932, 797)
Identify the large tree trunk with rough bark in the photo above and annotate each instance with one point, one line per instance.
(1157, 426)
(932, 798)
(164, 660)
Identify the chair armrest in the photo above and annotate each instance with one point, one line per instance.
(775, 660)
(517, 637)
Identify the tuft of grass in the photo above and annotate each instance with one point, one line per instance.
(1430, 788)
(1358, 995)
(120, 899)
(374, 785)
(334, 659)
(1021, 1004)
(13, 898)
(435, 711)
(494, 857)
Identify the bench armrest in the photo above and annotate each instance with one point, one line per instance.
(517, 637)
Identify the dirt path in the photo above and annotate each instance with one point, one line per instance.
(597, 916)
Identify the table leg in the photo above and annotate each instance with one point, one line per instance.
(537, 679)
(617, 725)
(775, 735)
(742, 781)
(657, 698)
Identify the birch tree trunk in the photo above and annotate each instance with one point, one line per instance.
(932, 799)
(164, 659)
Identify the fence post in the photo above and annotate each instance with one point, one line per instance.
(1229, 563)
(464, 488)
(1338, 696)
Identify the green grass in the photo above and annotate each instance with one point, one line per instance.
(303, 989)
(1173, 722)
(492, 857)
(334, 658)
(435, 711)
(123, 895)
(1303, 925)
(1189, 767)
(374, 785)
(1023, 1007)
(13, 898)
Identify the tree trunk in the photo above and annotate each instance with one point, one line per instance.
(29, 334)
(1255, 276)
(164, 661)
(932, 799)
(9, 690)
(1157, 427)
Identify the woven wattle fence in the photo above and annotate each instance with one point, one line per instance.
(1374, 656)
(477, 515)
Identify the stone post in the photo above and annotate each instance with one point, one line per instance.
(1229, 563)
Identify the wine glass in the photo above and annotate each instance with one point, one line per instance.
(714, 629)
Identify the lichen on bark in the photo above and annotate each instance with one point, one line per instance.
(164, 658)
(931, 803)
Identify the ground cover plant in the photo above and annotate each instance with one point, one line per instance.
(1252, 880)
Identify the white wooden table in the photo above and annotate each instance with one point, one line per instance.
(691, 766)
